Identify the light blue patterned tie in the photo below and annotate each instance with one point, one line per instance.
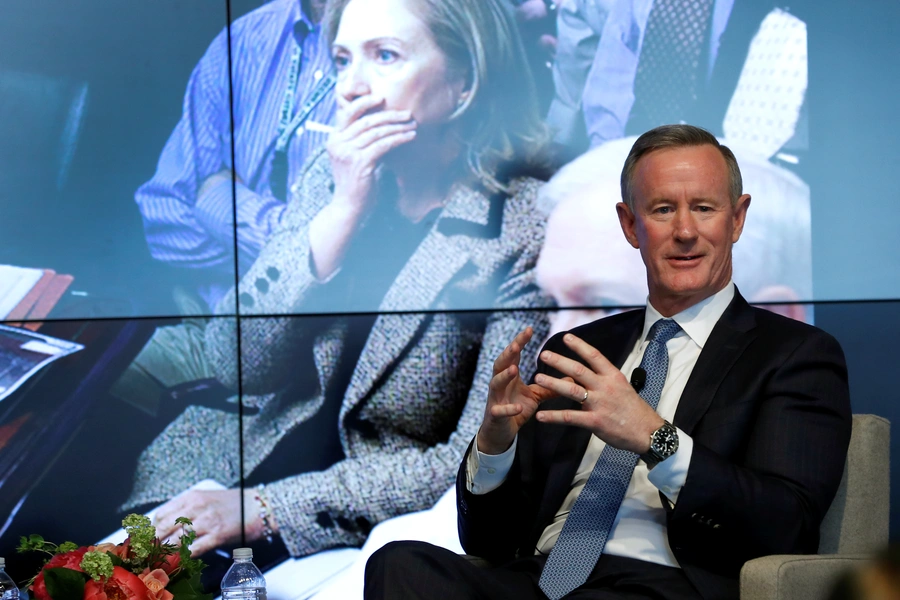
(587, 527)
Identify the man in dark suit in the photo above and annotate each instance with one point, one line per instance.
(733, 449)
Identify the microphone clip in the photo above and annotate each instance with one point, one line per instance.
(638, 379)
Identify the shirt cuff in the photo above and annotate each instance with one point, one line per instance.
(486, 472)
(670, 475)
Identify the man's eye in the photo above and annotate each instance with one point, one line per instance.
(664, 210)
(704, 208)
(340, 62)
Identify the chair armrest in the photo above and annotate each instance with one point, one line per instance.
(795, 576)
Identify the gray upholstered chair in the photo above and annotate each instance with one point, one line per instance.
(856, 525)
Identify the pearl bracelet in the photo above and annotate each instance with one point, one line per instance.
(264, 513)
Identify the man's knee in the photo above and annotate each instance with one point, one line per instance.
(393, 554)
(389, 568)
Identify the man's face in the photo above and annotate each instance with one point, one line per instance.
(684, 224)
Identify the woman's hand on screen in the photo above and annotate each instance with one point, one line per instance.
(363, 135)
(216, 516)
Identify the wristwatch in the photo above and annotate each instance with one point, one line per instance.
(663, 444)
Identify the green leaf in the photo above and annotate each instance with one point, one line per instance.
(64, 584)
(187, 588)
(35, 542)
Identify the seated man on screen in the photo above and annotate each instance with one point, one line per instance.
(279, 62)
(727, 443)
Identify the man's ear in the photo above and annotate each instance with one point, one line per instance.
(740, 215)
(627, 221)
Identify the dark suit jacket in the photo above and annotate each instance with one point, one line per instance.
(767, 406)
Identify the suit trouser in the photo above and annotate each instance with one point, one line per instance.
(419, 571)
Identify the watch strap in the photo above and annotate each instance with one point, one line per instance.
(656, 454)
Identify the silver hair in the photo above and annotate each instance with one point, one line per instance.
(677, 136)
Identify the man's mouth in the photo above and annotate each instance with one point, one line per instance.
(685, 259)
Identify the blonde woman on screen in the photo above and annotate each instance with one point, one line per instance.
(422, 200)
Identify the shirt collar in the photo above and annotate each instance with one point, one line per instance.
(303, 25)
(698, 320)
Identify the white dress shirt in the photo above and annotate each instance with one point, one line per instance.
(639, 530)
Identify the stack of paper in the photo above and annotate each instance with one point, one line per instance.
(29, 294)
(15, 283)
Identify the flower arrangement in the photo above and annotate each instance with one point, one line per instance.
(141, 568)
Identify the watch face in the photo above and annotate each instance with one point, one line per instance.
(665, 441)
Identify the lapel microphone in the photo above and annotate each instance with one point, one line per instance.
(638, 379)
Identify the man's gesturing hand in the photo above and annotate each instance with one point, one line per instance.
(510, 402)
(612, 410)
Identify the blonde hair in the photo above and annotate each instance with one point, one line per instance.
(500, 124)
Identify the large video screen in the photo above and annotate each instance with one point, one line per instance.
(159, 157)
(265, 253)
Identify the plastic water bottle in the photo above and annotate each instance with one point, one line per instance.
(8, 588)
(244, 580)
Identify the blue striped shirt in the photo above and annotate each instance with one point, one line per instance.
(190, 231)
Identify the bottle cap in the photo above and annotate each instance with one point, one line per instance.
(242, 553)
(2, 562)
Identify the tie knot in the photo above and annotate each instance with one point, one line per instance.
(663, 331)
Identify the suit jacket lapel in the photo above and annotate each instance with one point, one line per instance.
(424, 276)
(728, 340)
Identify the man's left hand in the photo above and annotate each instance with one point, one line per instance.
(611, 410)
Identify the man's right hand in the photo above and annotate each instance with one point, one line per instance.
(510, 402)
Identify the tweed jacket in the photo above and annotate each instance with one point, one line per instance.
(416, 395)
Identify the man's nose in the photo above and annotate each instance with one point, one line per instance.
(685, 225)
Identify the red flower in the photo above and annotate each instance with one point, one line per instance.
(69, 560)
(123, 550)
(123, 585)
(172, 562)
